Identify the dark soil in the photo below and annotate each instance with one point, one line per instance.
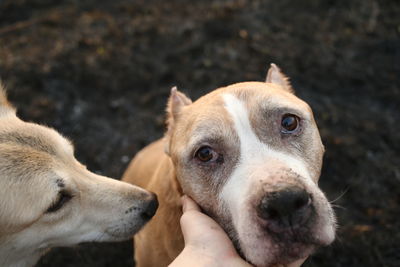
(100, 72)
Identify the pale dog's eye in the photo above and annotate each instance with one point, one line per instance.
(290, 123)
(206, 154)
(63, 197)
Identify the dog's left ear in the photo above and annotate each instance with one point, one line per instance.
(176, 102)
(5, 106)
(276, 76)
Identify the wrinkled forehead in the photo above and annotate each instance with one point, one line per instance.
(266, 97)
(209, 116)
(204, 121)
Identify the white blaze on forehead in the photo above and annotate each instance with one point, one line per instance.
(253, 154)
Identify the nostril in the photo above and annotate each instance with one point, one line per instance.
(272, 213)
(302, 201)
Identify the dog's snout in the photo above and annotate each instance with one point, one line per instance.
(286, 208)
(150, 207)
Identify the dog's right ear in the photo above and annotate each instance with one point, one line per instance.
(5, 106)
(276, 76)
(176, 102)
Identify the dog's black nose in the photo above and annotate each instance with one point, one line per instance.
(150, 209)
(287, 208)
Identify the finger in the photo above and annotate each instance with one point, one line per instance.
(189, 225)
(196, 226)
(188, 204)
(192, 220)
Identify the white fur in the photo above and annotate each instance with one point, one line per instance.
(252, 151)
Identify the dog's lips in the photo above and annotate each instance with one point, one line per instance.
(294, 252)
(280, 248)
(284, 254)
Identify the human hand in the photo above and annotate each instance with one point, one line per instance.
(206, 244)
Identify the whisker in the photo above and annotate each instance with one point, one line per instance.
(338, 206)
(341, 195)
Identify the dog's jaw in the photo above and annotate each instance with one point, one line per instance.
(14, 252)
(256, 161)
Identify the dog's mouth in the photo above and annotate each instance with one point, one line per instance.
(292, 245)
(280, 250)
(266, 246)
(289, 253)
(121, 232)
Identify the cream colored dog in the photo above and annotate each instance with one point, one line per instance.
(48, 199)
(250, 155)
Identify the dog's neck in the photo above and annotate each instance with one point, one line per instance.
(13, 255)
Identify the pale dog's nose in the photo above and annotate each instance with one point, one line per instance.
(290, 207)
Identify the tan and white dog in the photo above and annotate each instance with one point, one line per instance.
(250, 155)
(48, 199)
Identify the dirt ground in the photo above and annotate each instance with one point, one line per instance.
(100, 72)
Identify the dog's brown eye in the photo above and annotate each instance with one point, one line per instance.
(206, 154)
(63, 197)
(289, 123)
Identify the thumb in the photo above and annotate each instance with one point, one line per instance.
(192, 221)
(199, 229)
(189, 204)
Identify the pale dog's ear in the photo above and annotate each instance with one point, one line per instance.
(276, 76)
(5, 106)
(176, 102)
